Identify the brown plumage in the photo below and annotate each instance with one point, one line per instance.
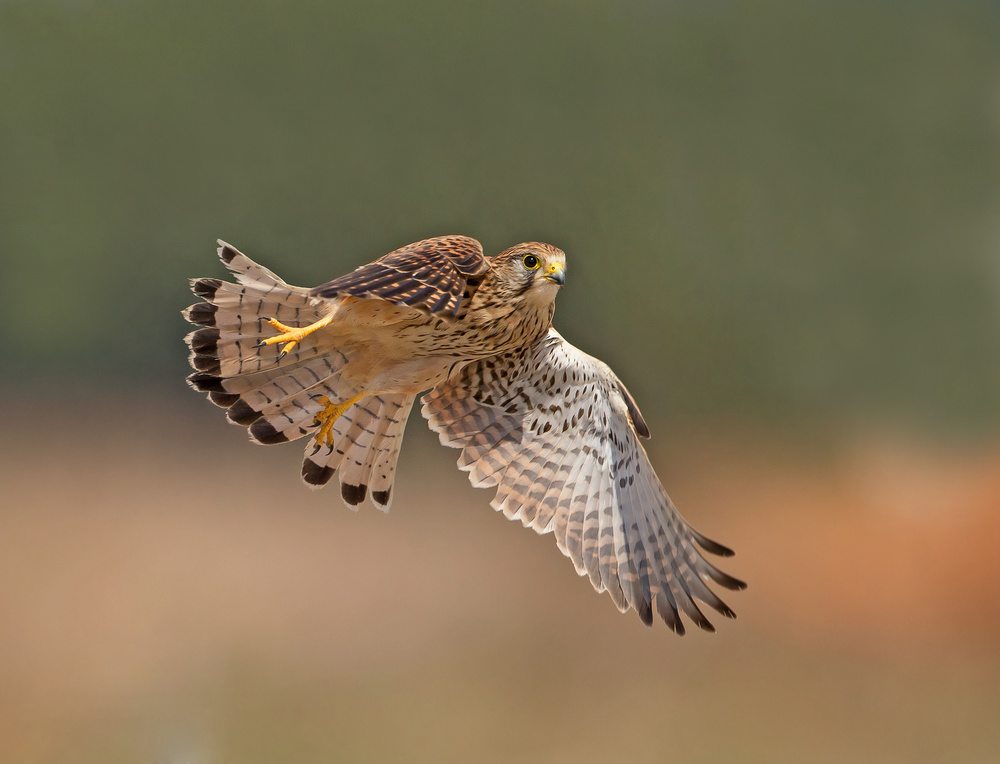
(431, 274)
(553, 429)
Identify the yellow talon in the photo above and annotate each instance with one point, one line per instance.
(291, 335)
(329, 415)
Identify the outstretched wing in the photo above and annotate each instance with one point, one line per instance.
(430, 274)
(556, 432)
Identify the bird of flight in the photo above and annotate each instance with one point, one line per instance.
(551, 428)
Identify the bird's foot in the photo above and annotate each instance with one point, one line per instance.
(328, 416)
(290, 335)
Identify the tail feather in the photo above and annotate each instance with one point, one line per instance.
(277, 397)
(250, 381)
(318, 376)
(357, 446)
(246, 270)
(367, 438)
(234, 319)
(327, 459)
(232, 303)
(237, 351)
(289, 419)
(383, 468)
(292, 416)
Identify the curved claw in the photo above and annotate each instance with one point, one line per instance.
(328, 416)
(290, 335)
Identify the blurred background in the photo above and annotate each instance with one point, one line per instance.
(781, 223)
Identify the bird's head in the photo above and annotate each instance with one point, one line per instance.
(532, 271)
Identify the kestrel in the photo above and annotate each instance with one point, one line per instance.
(553, 429)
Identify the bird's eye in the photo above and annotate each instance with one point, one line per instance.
(530, 262)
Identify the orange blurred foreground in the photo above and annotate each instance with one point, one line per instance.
(159, 574)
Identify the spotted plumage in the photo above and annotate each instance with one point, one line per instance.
(551, 428)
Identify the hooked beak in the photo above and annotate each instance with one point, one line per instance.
(556, 274)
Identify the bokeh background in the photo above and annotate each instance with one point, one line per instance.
(781, 220)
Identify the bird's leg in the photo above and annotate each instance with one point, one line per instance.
(329, 415)
(291, 335)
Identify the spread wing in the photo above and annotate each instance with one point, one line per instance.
(430, 274)
(555, 431)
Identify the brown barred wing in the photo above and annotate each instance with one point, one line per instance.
(553, 430)
(431, 275)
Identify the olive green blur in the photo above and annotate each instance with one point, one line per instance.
(771, 210)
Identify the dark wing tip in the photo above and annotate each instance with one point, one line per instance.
(645, 611)
(207, 364)
(241, 413)
(668, 613)
(353, 494)
(205, 383)
(205, 288)
(714, 547)
(633, 411)
(381, 497)
(725, 610)
(640, 426)
(314, 474)
(692, 611)
(223, 400)
(731, 583)
(226, 252)
(265, 433)
(205, 341)
(202, 313)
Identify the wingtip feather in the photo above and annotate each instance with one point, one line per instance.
(226, 251)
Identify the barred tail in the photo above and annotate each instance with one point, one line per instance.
(367, 440)
(276, 397)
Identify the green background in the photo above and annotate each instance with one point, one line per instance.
(771, 210)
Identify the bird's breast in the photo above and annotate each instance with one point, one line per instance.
(407, 351)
